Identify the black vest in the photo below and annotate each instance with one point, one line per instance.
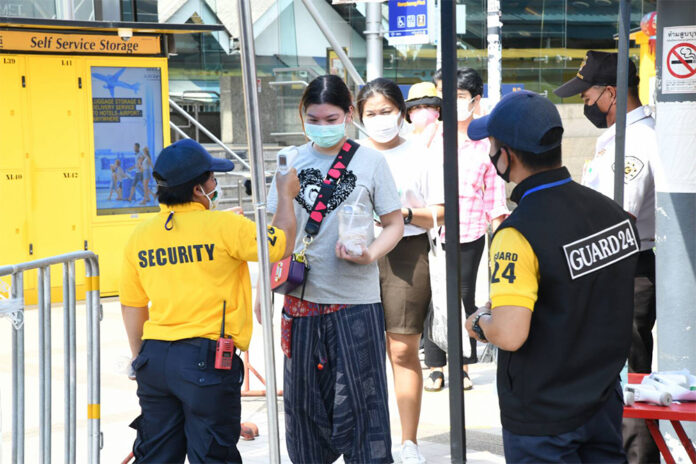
(580, 333)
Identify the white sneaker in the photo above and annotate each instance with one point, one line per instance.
(410, 454)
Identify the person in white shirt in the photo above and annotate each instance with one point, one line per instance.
(596, 84)
(404, 273)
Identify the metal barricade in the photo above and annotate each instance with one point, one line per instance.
(13, 308)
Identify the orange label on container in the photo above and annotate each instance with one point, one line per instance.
(81, 44)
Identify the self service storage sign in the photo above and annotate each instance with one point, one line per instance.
(408, 22)
(79, 44)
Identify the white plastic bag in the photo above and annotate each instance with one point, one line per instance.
(436, 322)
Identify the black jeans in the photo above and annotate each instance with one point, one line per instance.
(470, 256)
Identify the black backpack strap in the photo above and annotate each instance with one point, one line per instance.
(328, 186)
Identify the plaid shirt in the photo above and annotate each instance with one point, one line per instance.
(481, 190)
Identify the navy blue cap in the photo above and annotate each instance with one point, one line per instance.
(185, 160)
(519, 120)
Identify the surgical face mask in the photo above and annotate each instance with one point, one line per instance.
(423, 116)
(383, 128)
(595, 115)
(326, 136)
(494, 159)
(465, 108)
(213, 196)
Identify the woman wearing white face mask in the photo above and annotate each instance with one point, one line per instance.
(404, 275)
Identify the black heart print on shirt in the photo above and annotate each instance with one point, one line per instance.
(310, 183)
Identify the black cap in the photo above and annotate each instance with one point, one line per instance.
(598, 68)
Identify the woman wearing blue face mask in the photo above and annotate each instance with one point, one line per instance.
(335, 386)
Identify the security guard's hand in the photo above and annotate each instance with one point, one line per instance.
(470, 321)
(288, 185)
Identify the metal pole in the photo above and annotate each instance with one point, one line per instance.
(334, 43)
(66, 360)
(94, 372)
(438, 46)
(248, 58)
(621, 98)
(89, 314)
(675, 186)
(373, 34)
(15, 376)
(72, 370)
(18, 375)
(64, 9)
(495, 52)
(44, 299)
(451, 170)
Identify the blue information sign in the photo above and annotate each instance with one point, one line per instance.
(408, 22)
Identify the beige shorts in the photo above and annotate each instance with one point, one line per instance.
(404, 279)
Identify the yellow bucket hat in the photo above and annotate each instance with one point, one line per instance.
(422, 93)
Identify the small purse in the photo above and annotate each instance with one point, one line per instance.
(291, 272)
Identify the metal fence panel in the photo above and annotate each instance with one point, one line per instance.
(13, 308)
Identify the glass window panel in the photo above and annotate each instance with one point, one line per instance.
(45, 9)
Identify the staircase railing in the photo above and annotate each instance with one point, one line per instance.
(202, 128)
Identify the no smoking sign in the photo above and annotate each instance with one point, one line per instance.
(679, 60)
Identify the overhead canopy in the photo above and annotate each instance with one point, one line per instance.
(107, 26)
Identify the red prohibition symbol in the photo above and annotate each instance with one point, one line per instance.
(683, 54)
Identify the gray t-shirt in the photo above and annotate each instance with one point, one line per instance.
(332, 280)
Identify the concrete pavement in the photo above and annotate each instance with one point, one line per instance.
(119, 404)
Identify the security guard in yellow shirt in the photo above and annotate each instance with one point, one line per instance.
(561, 295)
(190, 265)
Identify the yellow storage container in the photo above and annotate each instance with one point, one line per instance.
(83, 114)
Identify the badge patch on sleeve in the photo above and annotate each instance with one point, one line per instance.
(632, 167)
(600, 250)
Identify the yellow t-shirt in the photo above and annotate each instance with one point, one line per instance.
(514, 270)
(187, 272)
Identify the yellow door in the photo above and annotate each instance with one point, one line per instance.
(13, 175)
(55, 91)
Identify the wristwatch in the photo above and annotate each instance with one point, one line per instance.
(407, 219)
(477, 328)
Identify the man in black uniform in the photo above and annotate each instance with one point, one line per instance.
(561, 295)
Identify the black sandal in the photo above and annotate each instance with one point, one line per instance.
(434, 382)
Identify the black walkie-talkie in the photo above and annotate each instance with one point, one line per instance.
(224, 351)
